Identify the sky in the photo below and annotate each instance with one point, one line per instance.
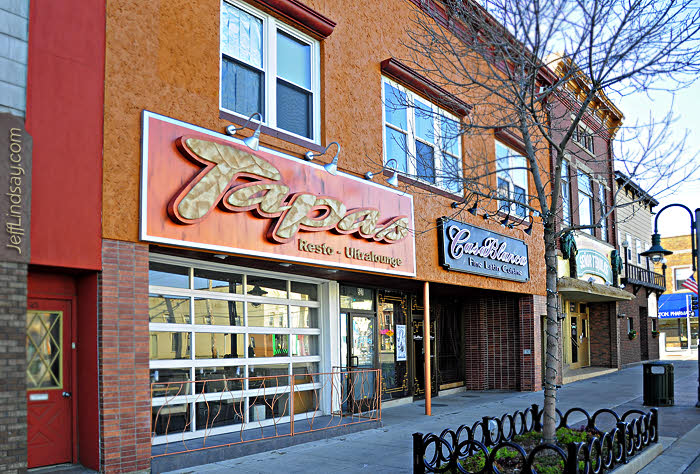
(686, 105)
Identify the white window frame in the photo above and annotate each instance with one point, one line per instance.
(566, 191)
(675, 279)
(591, 198)
(603, 211)
(269, 67)
(244, 363)
(411, 137)
(639, 249)
(628, 239)
(507, 175)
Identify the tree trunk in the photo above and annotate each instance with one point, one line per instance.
(552, 344)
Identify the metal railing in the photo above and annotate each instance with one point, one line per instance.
(480, 444)
(190, 416)
(635, 275)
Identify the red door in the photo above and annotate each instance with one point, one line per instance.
(49, 398)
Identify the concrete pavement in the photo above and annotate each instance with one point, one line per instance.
(388, 449)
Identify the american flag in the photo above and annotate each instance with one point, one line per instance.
(691, 284)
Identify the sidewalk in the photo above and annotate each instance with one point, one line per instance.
(388, 449)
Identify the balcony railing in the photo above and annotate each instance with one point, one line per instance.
(639, 276)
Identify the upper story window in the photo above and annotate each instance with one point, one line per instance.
(585, 201)
(270, 68)
(565, 193)
(424, 139)
(640, 249)
(511, 174)
(584, 137)
(680, 275)
(603, 212)
(628, 241)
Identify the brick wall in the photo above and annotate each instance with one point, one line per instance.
(604, 336)
(531, 309)
(492, 342)
(13, 395)
(125, 423)
(631, 350)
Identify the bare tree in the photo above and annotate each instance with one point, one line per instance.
(515, 63)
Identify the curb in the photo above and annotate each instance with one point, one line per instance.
(638, 462)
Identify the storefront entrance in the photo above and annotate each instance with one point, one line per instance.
(419, 359)
(576, 336)
(49, 397)
(362, 355)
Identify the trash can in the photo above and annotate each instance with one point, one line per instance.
(658, 384)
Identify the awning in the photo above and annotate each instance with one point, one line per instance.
(675, 305)
(579, 290)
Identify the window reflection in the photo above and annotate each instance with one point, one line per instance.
(303, 317)
(168, 309)
(223, 282)
(267, 287)
(218, 312)
(162, 274)
(267, 315)
(166, 345)
(219, 345)
(268, 345)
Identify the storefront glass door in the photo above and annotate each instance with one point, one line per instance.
(362, 355)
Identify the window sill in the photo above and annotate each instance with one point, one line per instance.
(585, 150)
(424, 185)
(273, 132)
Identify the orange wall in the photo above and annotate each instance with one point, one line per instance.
(164, 57)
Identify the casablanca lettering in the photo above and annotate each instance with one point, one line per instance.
(269, 198)
(490, 248)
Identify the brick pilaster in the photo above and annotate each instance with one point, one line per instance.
(531, 308)
(125, 413)
(13, 390)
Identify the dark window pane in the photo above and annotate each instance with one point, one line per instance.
(294, 109)
(241, 88)
(425, 162)
(304, 291)
(267, 287)
(519, 196)
(223, 282)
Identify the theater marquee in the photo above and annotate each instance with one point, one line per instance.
(469, 249)
(206, 190)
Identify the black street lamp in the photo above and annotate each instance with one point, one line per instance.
(657, 254)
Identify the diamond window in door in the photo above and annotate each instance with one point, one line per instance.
(44, 354)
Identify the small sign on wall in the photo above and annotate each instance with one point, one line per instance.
(16, 187)
(400, 342)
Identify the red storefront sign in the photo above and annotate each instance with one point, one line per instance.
(206, 190)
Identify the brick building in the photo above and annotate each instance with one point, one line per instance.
(678, 322)
(637, 323)
(588, 293)
(170, 259)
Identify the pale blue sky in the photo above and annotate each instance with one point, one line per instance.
(686, 106)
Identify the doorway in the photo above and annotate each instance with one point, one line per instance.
(361, 354)
(578, 337)
(49, 326)
(419, 359)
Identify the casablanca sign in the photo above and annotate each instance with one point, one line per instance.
(469, 249)
(207, 190)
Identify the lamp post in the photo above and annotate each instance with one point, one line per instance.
(657, 254)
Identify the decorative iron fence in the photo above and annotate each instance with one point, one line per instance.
(202, 414)
(479, 448)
